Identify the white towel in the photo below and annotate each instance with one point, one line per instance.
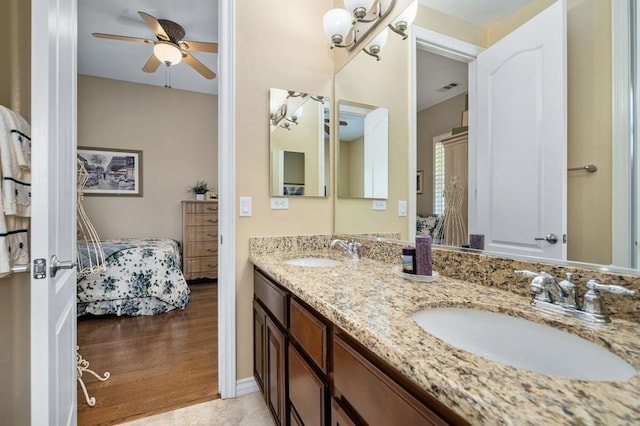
(15, 191)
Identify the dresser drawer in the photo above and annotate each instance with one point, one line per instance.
(200, 208)
(201, 265)
(272, 297)
(201, 249)
(310, 333)
(201, 220)
(207, 234)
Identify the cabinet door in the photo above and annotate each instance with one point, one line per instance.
(259, 336)
(307, 392)
(275, 370)
(339, 417)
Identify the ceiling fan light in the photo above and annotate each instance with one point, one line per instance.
(167, 52)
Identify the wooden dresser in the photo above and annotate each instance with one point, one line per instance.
(200, 239)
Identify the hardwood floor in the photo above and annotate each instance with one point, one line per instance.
(157, 363)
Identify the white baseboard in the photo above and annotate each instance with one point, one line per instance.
(246, 386)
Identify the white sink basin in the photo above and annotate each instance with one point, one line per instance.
(313, 262)
(524, 344)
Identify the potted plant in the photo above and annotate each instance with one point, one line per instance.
(199, 189)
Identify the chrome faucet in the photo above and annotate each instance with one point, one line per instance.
(563, 299)
(350, 248)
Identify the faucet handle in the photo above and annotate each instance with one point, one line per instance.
(614, 289)
(592, 302)
(525, 273)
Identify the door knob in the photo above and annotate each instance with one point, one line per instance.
(551, 238)
(56, 265)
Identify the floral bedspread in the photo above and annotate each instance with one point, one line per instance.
(143, 277)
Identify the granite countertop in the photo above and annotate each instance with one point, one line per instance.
(373, 305)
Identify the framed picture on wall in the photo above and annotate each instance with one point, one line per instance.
(419, 181)
(112, 171)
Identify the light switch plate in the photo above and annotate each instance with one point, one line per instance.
(245, 206)
(279, 203)
(379, 205)
(402, 208)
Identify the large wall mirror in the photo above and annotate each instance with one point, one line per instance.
(299, 143)
(363, 150)
(596, 228)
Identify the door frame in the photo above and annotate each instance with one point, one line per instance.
(444, 45)
(227, 381)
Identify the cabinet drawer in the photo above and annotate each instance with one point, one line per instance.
(307, 392)
(202, 264)
(377, 398)
(201, 220)
(273, 298)
(207, 234)
(310, 333)
(201, 250)
(199, 207)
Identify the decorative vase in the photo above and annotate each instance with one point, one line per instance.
(200, 197)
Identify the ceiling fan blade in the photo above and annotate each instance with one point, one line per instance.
(154, 25)
(123, 38)
(199, 46)
(152, 64)
(198, 66)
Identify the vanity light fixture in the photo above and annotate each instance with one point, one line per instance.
(293, 118)
(404, 20)
(277, 106)
(375, 45)
(346, 26)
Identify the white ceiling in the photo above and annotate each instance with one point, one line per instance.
(123, 60)
(479, 12)
(433, 72)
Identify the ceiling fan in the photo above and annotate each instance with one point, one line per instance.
(169, 46)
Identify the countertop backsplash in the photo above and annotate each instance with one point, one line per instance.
(478, 268)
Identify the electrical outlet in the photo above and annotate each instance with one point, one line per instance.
(379, 205)
(402, 208)
(279, 203)
(245, 206)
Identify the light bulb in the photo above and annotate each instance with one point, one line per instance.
(406, 18)
(336, 23)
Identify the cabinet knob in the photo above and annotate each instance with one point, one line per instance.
(212, 220)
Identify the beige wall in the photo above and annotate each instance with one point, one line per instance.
(288, 47)
(450, 25)
(15, 93)
(381, 83)
(177, 132)
(589, 130)
(434, 121)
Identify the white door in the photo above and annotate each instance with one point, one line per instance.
(376, 153)
(522, 139)
(53, 135)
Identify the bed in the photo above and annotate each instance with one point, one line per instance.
(143, 277)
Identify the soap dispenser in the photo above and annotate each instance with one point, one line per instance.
(569, 289)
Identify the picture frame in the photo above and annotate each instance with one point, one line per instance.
(112, 171)
(419, 181)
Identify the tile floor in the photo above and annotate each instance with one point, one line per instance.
(248, 410)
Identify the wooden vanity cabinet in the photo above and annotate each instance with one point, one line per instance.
(311, 373)
(270, 345)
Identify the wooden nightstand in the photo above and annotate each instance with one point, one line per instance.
(200, 239)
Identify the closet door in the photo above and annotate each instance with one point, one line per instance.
(53, 220)
(522, 138)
